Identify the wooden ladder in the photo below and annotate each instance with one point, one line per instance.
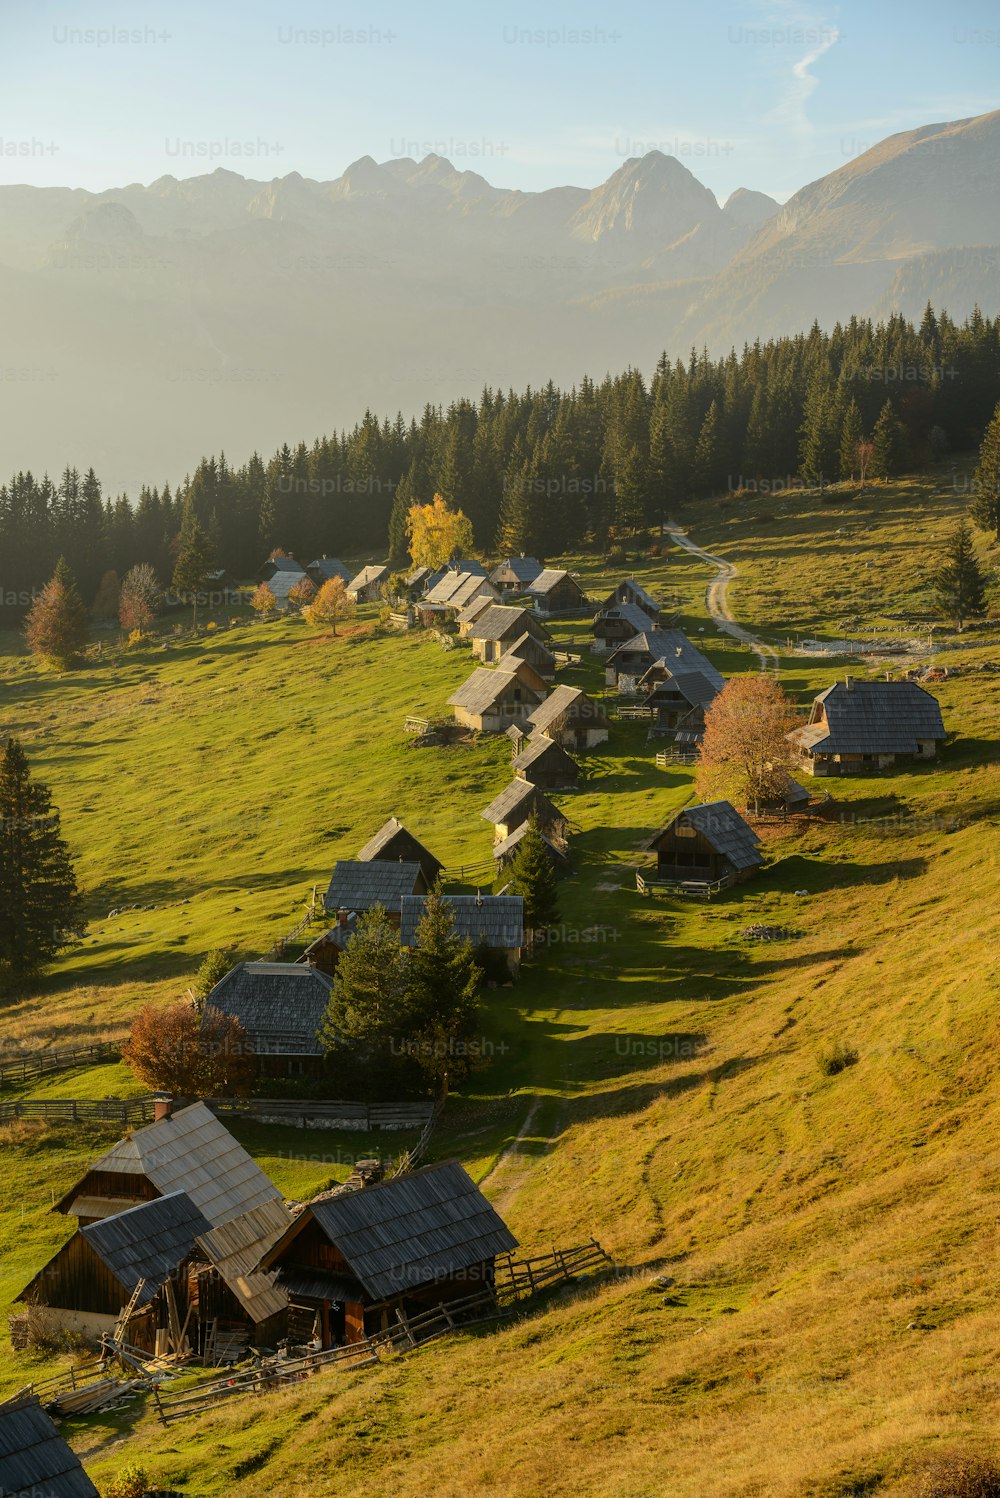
(211, 1337)
(121, 1325)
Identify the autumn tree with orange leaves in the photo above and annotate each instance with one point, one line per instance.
(437, 534)
(178, 1050)
(744, 752)
(331, 604)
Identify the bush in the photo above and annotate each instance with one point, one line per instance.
(132, 1482)
(836, 1058)
(959, 1474)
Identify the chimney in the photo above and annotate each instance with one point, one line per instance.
(479, 899)
(849, 683)
(343, 916)
(163, 1106)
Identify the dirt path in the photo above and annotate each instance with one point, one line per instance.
(718, 603)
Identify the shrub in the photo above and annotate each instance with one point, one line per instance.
(958, 1474)
(132, 1482)
(836, 1058)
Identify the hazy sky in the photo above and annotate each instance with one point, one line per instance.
(99, 93)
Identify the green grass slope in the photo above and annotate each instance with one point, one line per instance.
(655, 1082)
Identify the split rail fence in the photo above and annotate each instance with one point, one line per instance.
(29, 1064)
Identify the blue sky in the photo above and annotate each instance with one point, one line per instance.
(765, 96)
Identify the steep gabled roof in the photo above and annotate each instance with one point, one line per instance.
(521, 798)
(675, 651)
(625, 613)
(367, 576)
(525, 569)
(530, 648)
(722, 827)
(691, 685)
(550, 578)
(500, 620)
(638, 596)
(496, 920)
(35, 1461)
(872, 717)
(147, 1242)
(485, 687)
(280, 1005)
(355, 885)
(512, 841)
(393, 840)
(472, 611)
(282, 583)
(411, 1230)
(285, 564)
(543, 753)
(236, 1249)
(190, 1151)
(571, 704)
(330, 567)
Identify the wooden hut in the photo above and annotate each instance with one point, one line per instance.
(631, 660)
(617, 623)
(324, 569)
(491, 700)
(353, 1263)
(678, 700)
(707, 845)
(861, 727)
(555, 591)
(281, 1006)
(544, 762)
(394, 844)
(498, 627)
(367, 585)
(571, 718)
(357, 885)
(517, 803)
(536, 652)
(515, 574)
(466, 618)
(280, 562)
(35, 1460)
(326, 950)
(629, 592)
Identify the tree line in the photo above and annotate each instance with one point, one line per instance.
(543, 471)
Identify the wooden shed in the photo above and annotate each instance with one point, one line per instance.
(515, 574)
(494, 921)
(498, 627)
(367, 586)
(632, 593)
(358, 885)
(353, 1262)
(394, 844)
(556, 591)
(517, 803)
(861, 727)
(678, 700)
(324, 569)
(281, 1006)
(537, 652)
(616, 623)
(571, 718)
(544, 762)
(490, 700)
(708, 845)
(35, 1460)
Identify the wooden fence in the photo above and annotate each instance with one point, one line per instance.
(122, 1111)
(306, 1113)
(516, 1278)
(21, 1067)
(412, 1158)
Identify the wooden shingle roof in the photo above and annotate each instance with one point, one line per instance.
(329, 567)
(496, 920)
(279, 1004)
(147, 1242)
(525, 569)
(413, 1229)
(500, 620)
(35, 1461)
(625, 613)
(394, 841)
(190, 1151)
(674, 649)
(550, 578)
(367, 576)
(722, 827)
(546, 754)
(567, 704)
(872, 717)
(691, 685)
(521, 798)
(485, 687)
(236, 1249)
(356, 885)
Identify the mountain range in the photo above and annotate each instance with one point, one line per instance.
(146, 325)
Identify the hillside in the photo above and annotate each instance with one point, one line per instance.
(277, 307)
(828, 1239)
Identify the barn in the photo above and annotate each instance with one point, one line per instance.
(571, 718)
(678, 700)
(35, 1461)
(351, 1262)
(281, 1006)
(861, 727)
(707, 845)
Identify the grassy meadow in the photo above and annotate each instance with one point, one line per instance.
(805, 1304)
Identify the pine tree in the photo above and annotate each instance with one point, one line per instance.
(889, 444)
(960, 582)
(708, 475)
(38, 891)
(58, 622)
(444, 992)
(985, 507)
(194, 559)
(532, 876)
(819, 444)
(370, 1007)
(851, 434)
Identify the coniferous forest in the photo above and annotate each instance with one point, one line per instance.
(542, 471)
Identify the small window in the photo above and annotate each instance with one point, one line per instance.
(682, 830)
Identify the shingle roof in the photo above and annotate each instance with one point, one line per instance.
(470, 587)
(497, 920)
(873, 717)
(674, 649)
(236, 1249)
(627, 613)
(484, 687)
(35, 1461)
(472, 611)
(280, 1005)
(329, 567)
(499, 620)
(285, 564)
(547, 580)
(638, 593)
(367, 576)
(724, 829)
(190, 1151)
(525, 569)
(355, 885)
(147, 1242)
(339, 935)
(531, 648)
(393, 832)
(521, 798)
(692, 686)
(282, 583)
(552, 754)
(413, 1229)
(569, 703)
(510, 843)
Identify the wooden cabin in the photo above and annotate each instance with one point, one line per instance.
(706, 845)
(545, 763)
(517, 803)
(571, 718)
(351, 1263)
(35, 1460)
(505, 851)
(862, 727)
(280, 562)
(327, 949)
(678, 700)
(491, 700)
(466, 618)
(526, 672)
(515, 574)
(628, 591)
(394, 844)
(454, 591)
(617, 623)
(494, 921)
(324, 569)
(357, 885)
(281, 1006)
(368, 585)
(536, 652)
(630, 661)
(498, 627)
(555, 591)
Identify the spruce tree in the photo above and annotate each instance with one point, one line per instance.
(38, 891)
(194, 559)
(532, 876)
(444, 993)
(708, 474)
(851, 433)
(960, 583)
(889, 443)
(57, 625)
(370, 1006)
(985, 506)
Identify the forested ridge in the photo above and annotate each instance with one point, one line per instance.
(544, 470)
